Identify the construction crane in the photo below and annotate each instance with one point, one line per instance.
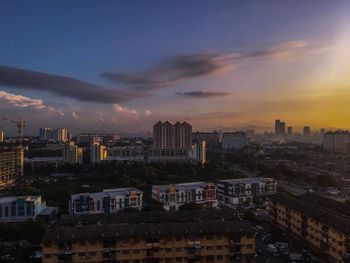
(20, 126)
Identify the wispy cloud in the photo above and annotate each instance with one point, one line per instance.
(75, 115)
(183, 67)
(202, 94)
(63, 86)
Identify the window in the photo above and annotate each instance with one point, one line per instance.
(220, 257)
(92, 253)
(137, 261)
(168, 249)
(210, 258)
(136, 251)
(178, 249)
(6, 211)
(219, 247)
(126, 252)
(178, 259)
(0, 211)
(209, 248)
(167, 259)
(82, 242)
(250, 246)
(47, 255)
(82, 254)
(13, 210)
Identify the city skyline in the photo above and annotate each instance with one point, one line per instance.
(221, 66)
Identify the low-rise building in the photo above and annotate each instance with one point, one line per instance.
(175, 195)
(107, 201)
(20, 208)
(238, 192)
(323, 225)
(182, 236)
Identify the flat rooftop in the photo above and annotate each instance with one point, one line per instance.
(109, 192)
(9, 199)
(144, 224)
(248, 180)
(182, 186)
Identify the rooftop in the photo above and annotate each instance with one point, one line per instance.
(182, 186)
(9, 199)
(109, 192)
(318, 213)
(248, 180)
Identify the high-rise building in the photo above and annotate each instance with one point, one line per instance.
(199, 152)
(182, 135)
(337, 142)
(234, 140)
(98, 152)
(45, 133)
(2, 136)
(60, 134)
(212, 139)
(322, 132)
(290, 131)
(11, 165)
(72, 153)
(166, 135)
(306, 131)
(280, 128)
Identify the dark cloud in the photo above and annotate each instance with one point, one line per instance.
(183, 67)
(62, 86)
(169, 72)
(202, 94)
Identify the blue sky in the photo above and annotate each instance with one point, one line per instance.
(157, 39)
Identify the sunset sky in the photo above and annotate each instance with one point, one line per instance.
(123, 65)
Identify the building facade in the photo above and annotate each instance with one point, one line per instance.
(173, 196)
(20, 208)
(166, 135)
(199, 152)
(72, 153)
(315, 223)
(234, 140)
(98, 152)
(212, 139)
(181, 236)
(107, 201)
(2, 136)
(280, 128)
(11, 165)
(337, 142)
(240, 192)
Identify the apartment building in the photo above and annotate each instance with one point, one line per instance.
(182, 236)
(20, 208)
(107, 201)
(238, 192)
(212, 139)
(234, 140)
(11, 165)
(167, 135)
(98, 152)
(321, 223)
(72, 153)
(337, 142)
(175, 195)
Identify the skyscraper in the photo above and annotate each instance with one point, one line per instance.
(98, 152)
(2, 137)
(280, 128)
(306, 131)
(11, 165)
(290, 131)
(72, 153)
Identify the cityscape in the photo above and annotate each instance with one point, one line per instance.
(214, 132)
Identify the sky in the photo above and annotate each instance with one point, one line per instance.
(120, 66)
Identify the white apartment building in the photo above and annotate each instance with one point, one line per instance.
(107, 201)
(20, 208)
(174, 195)
(234, 140)
(238, 192)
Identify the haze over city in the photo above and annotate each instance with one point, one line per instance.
(121, 66)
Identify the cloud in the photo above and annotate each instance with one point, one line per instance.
(121, 109)
(75, 115)
(63, 86)
(10, 101)
(202, 94)
(182, 67)
(148, 113)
